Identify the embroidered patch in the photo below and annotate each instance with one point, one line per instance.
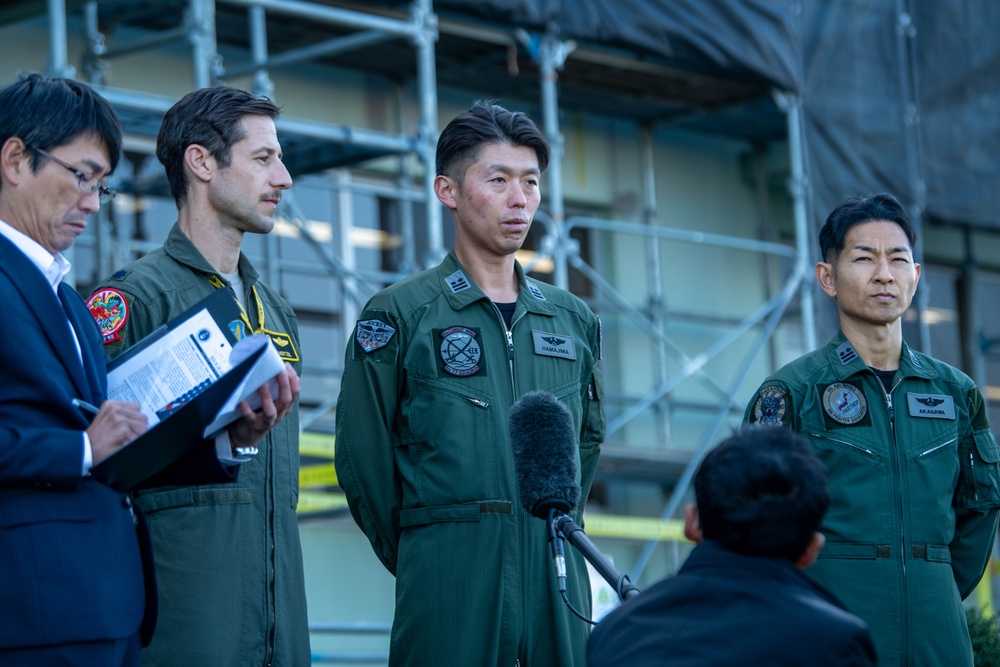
(769, 408)
(109, 308)
(553, 345)
(457, 282)
(460, 351)
(846, 353)
(373, 334)
(844, 403)
(238, 329)
(284, 345)
(536, 291)
(933, 406)
(914, 359)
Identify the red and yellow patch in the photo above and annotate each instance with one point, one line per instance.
(110, 309)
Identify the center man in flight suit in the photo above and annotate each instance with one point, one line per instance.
(423, 452)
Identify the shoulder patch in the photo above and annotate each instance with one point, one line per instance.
(373, 334)
(769, 408)
(536, 291)
(844, 403)
(457, 282)
(110, 310)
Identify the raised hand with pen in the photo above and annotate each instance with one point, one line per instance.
(115, 425)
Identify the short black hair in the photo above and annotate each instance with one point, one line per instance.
(857, 210)
(209, 117)
(486, 123)
(47, 112)
(761, 492)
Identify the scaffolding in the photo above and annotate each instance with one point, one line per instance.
(312, 146)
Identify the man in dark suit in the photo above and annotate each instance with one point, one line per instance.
(72, 585)
(740, 598)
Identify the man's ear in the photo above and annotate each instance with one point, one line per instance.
(200, 162)
(446, 188)
(812, 550)
(14, 159)
(692, 527)
(826, 278)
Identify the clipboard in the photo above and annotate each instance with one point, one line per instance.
(173, 437)
(178, 414)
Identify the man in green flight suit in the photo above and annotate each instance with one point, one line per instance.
(423, 451)
(228, 556)
(911, 464)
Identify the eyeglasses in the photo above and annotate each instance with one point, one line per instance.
(88, 184)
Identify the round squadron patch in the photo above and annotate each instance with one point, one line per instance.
(844, 403)
(460, 351)
(110, 309)
(770, 406)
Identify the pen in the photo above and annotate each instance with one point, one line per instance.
(85, 406)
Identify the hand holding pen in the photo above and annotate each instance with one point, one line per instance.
(115, 425)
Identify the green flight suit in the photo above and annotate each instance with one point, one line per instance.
(914, 492)
(228, 556)
(423, 454)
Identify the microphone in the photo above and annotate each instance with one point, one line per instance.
(544, 447)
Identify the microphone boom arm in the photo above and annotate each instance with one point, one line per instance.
(574, 533)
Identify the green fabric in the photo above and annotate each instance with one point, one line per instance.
(228, 556)
(423, 455)
(914, 499)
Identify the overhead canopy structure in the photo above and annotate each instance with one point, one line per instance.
(899, 96)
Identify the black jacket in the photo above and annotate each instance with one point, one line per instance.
(726, 609)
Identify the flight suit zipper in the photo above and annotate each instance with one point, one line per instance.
(897, 482)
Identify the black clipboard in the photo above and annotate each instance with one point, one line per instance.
(173, 437)
(180, 431)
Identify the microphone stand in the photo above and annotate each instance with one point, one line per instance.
(565, 526)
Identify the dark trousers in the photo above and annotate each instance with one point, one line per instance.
(110, 653)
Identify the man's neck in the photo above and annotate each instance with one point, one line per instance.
(218, 244)
(494, 275)
(879, 346)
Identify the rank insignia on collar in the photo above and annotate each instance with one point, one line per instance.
(460, 351)
(536, 291)
(844, 403)
(110, 309)
(373, 334)
(846, 352)
(914, 359)
(457, 282)
(770, 406)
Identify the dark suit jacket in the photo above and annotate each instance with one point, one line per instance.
(70, 563)
(726, 609)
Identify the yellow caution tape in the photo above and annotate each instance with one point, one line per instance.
(312, 443)
(317, 474)
(311, 502)
(634, 528)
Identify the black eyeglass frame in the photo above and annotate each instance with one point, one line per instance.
(105, 195)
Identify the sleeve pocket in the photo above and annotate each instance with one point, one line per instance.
(984, 465)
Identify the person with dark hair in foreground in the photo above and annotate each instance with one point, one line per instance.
(740, 598)
(423, 450)
(225, 532)
(76, 582)
(912, 466)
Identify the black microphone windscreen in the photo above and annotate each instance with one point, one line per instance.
(545, 451)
